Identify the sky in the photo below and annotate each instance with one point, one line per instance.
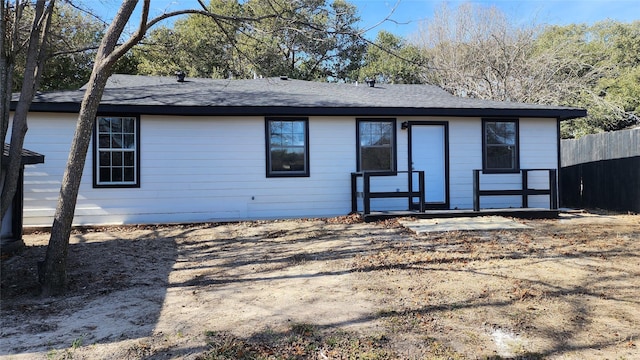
(410, 13)
(406, 15)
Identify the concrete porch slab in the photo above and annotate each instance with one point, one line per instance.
(462, 223)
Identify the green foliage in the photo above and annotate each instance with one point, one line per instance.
(308, 39)
(127, 64)
(390, 59)
(74, 38)
(198, 45)
(608, 59)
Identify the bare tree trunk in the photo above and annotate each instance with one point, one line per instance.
(6, 71)
(53, 270)
(5, 93)
(33, 69)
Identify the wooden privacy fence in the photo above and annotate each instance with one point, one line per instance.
(602, 171)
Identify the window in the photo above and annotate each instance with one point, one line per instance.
(116, 155)
(287, 147)
(376, 145)
(500, 146)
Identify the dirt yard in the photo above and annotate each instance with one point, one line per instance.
(333, 289)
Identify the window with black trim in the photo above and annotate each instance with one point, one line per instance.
(376, 139)
(287, 147)
(116, 155)
(500, 149)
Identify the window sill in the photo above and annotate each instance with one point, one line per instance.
(115, 186)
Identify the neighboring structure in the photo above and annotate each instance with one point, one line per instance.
(11, 234)
(602, 171)
(213, 150)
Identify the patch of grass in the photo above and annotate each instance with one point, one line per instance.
(77, 342)
(301, 341)
(225, 346)
(303, 329)
(139, 350)
(436, 350)
(67, 354)
(524, 356)
(412, 322)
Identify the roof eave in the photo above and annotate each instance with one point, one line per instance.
(561, 114)
(28, 157)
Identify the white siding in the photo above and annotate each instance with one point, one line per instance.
(213, 169)
(538, 149)
(195, 169)
(465, 155)
(50, 135)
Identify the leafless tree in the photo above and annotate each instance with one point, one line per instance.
(476, 51)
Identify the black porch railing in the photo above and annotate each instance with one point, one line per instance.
(367, 194)
(524, 191)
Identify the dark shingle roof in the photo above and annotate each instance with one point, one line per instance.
(275, 96)
(28, 157)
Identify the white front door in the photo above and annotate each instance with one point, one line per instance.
(429, 153)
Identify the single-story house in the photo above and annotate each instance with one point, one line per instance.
(192, 150)
(11, 234)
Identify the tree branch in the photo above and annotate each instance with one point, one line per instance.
(142, 29)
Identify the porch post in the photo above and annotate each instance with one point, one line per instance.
(354, 193)
(366, 179)
(410, 186)
(525, 187)
(553, 189)
(476, 190)
(422, 190)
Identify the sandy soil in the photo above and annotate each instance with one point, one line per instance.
(562, 289)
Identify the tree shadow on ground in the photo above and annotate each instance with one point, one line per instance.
(116, 289)
(513, 248)
(145, 267)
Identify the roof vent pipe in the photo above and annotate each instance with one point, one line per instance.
(180, 74)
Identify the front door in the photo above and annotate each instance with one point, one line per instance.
(429, 152)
